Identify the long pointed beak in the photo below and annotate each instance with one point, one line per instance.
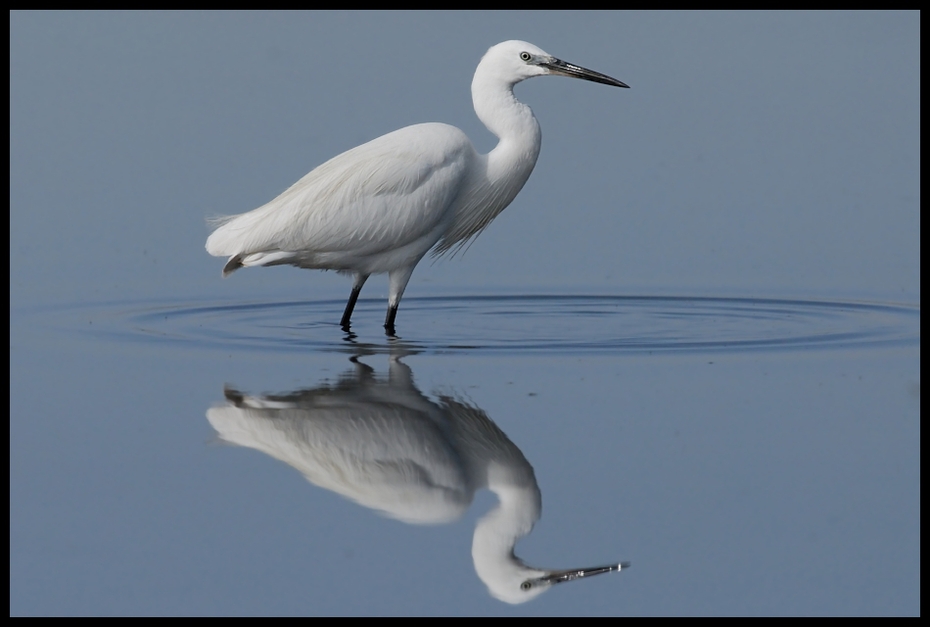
(560, 576)
(557, 66)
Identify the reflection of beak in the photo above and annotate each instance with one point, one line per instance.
(557, 66)
(559, 576)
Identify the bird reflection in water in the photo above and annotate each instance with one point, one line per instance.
(386, 446)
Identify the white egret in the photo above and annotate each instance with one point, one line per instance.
(380, 207)
(386, 446)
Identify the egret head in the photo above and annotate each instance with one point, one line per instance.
(514, 61)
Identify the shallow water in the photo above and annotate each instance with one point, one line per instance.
(692, 343)
(717, 444)
(556, 324)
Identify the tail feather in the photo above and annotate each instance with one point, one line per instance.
(220, 243)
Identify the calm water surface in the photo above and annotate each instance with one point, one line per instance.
(558, 324)
(692, 343)
(254, 459)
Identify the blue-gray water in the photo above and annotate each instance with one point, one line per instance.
(696, 332)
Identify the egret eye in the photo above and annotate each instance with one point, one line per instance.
(526, 585)
(526, 56)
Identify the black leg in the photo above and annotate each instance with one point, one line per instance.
(353, 297)
(389, 319)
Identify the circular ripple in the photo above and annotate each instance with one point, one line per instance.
(581, 324)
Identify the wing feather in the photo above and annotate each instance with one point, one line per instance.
(373, 198)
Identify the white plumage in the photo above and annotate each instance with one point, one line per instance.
(382, 443)
(380, 207)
